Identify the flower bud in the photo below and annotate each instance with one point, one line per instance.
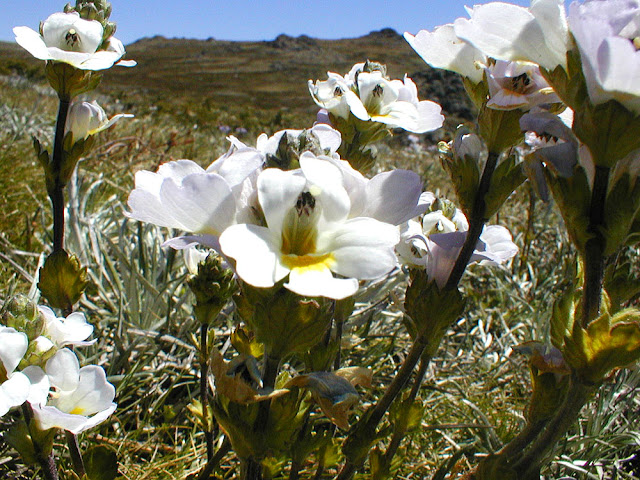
(213, 286)
(62, 280)
(23, 315)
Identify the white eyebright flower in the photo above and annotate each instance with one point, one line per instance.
(70, 39)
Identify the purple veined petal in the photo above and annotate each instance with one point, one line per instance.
(256, 251)
(320, 282)
(278, 192)
(189, 241)
(56, 29)
(393, 197)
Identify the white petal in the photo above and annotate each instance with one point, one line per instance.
(69, 331)
(278, 192)
(362, 248)
(509, 32)
(40, 385)
(429, 117)
(13, 346)
(32, 42)
(92, 394)
(14, 392)
(392, 197)
(314, 283)
(256, 252)
(50, 417)
(57, 26)
(325, 181)
(330, 138)
(443, 49)
(63, 370)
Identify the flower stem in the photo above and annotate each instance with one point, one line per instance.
(47, 462)
(401, 429)
(56, 188)
(365, 428)
(215, 460)
(204, 389)
(594, 248)
(476, 224)
(74, 451)
(577, 396)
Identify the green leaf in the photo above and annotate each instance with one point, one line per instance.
(101, 463)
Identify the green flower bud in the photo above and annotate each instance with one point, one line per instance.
(283, 321)
(62, 280)
(22, 314)
(213, 286)
(39, 351)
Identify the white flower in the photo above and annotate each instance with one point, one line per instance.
(72, 330)
(434, 241)
(309, 235)
(328, 139)
(14, 386)
(608, 36)
(183, 195)
(443, 49)
(517, 85)
(81, 397)
(370, 96)
(503, 31)
(70, 39)
(88, 118)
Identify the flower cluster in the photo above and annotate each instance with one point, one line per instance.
(434, 239)
(38, 368)
(320, 225)
(369, 95)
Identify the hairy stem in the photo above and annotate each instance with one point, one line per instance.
(214, 461)
(401, 430)
(476, 224)
(74, 451)
(204, 389)
(56, 190)
(369, 421)
(594, 248)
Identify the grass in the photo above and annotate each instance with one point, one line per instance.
(476, 388)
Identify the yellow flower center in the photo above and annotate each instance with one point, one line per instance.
(77, 411)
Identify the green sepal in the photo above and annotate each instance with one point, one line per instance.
(563, 317)
(621, 207)
(608, 342)
(42, 154)
(464, 173)
(285, 322)
(245, 343)
(549, 392)
(18, 437)
(500, 129)
(430, 311)
(69, 81)
(507, 177)
(101, 463)
(21, 313)
(62, 280)
(573, 196)
(621, 284)
(609, 130)
(380, 468)
(477, 92)
(73, 151)
(213, 286)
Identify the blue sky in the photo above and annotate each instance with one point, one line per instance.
(250, 20)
